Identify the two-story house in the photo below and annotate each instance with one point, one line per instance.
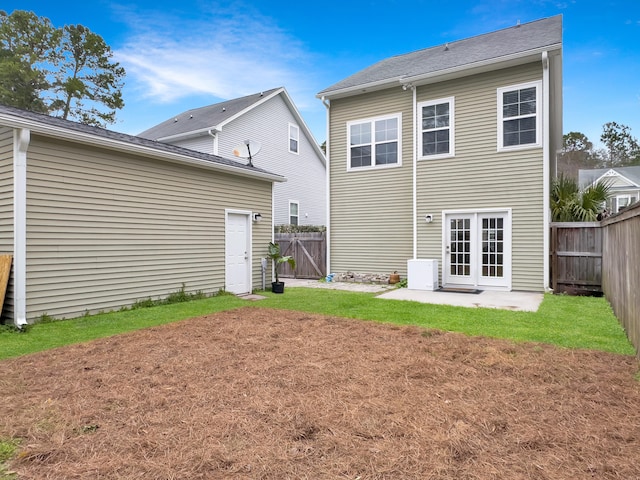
(445, 154)
(288, 148)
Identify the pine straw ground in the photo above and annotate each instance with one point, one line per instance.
(264, 394)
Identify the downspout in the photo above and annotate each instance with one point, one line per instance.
(546, 166)
(415, 173)
(213, 132)
(21, 139)
(327, 105)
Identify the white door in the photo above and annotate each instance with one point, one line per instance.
(477, 249)
(237, 253)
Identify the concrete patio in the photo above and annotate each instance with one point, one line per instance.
(517, 301)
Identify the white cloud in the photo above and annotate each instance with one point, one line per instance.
(225, 55)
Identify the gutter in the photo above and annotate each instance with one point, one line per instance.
(129, 147)
(21, 140)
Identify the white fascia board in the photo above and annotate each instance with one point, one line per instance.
(190, 134)
(357, 89)
(305, 127)
(613, 173)
(112, 144)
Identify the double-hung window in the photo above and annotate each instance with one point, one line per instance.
(294, 137)
(374, 142)
(435, 120)
(294, 216)
(519, 116)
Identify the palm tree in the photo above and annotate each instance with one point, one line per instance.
(571, 204)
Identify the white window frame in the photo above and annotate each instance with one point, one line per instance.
(294, 129)
(451, 128)
(538, 115)
(372, 121)
(629, 197)
(297, 204)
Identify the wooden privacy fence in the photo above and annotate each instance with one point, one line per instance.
(308, 249)
(576, 257)
(621, 269)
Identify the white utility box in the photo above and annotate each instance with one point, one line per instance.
(422, 274)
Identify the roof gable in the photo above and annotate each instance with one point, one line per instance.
(520, 40)
(619, 177)
(206, 118)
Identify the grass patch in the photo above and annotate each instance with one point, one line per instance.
(8, 449)
(572, 322)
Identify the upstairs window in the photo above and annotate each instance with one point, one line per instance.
(294, 137)
(293, 212)
(436, 128)
(374, 142)
(519, 116)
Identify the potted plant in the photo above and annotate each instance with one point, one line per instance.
(278, 259)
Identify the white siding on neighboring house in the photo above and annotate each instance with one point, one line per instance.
(268, 124)
(6, 207)
(106, 229)
(199, 144)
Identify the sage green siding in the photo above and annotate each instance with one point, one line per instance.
(6, 210)
(371, 210)
(480, 177)
(105, 229)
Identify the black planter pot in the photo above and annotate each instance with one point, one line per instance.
(277, 287)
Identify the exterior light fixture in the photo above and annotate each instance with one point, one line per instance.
(428, 218)
(257, 217)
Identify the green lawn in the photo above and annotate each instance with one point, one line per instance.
(572, 322)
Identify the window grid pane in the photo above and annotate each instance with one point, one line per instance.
(382, 149)
(435, 129)
(460, 254)
(519, 117)
(493, 247)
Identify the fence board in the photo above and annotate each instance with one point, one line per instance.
(309, 251)
(621, 269)
(576, 257)
(5, 270)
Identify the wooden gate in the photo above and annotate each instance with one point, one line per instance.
(576, 257)
(308, 249)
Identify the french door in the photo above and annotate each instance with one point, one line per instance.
(477, 249)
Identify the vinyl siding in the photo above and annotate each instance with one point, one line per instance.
(106, 229)
(268, 124)
(6, 211)
(481, 177)
(371, 226)
(305, 172)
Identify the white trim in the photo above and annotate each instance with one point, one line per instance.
(327, 104)
(538, 115)
(129, 147)
(249, 226)
(297, 203)
(546, 172)
(450, 127)
(372, 121)
(290, 137)
(414, 186)
(475, 276)
(21, 139)
(613, 173)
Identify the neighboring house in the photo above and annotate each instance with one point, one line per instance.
(96, 220)
(288, 147)
(445, 154)
(623, 181)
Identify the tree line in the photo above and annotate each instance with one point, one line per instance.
(621, 149)
(66, 72)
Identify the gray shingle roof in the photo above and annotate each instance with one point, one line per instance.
(203, 118)
(122, 138)
(517, 40)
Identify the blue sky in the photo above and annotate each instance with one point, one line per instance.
(185, 54)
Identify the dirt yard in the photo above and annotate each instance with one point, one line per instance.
(264, 394)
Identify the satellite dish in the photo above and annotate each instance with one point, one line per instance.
(247, 149)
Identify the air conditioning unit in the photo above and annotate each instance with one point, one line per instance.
(422, 274)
